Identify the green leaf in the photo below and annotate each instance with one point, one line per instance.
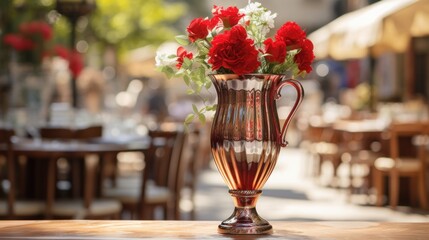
(186, 79)
(169, 72)
(190, 91)
(195, 109)
(189, 118)
(211, 108)
(182, 40)
(202, 118)
(187, 63)
(208, 84)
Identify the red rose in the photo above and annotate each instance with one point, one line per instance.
(18, 42)
(62, 52)
(232, 50)
(276, 51)
(212, 23)
(37, 27)
(75, 63)
(305, 56)
(181, 55)
(291, 33)
(198, 29)
(229, 16)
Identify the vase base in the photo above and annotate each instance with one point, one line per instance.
(245, 230)
(245, 221)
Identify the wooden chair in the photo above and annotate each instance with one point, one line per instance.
(360, 152)
(14, 208)
(326, 147)
(162, 178)
(69, 134)
(407, 159)
(193, 154)
(82, 205)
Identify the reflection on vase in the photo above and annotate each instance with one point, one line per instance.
(246, 139)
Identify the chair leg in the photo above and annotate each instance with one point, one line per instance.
(378, 181)
(351, 187)
(414, 192)
(422, 191)
(394, 189)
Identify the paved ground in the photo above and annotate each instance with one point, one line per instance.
(291, 195)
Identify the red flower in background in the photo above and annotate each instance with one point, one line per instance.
(18, 42)
(31, 42)
(276, 50)
(229, 16)
(62, 51)
(181, 55)
(35, 28)
(75, 63)
(234, 51)
(290, 33)
(74, 59)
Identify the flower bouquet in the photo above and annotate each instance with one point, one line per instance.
(234, 41)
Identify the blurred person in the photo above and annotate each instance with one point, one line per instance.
(91, 89)
(157, 105)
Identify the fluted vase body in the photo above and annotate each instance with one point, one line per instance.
(246, 139)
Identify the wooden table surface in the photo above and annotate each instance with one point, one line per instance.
(102, 229)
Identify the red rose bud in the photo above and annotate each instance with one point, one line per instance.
(198, 29)
(181, 55)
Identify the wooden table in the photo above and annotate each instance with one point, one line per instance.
(90, 229)
(51, 150)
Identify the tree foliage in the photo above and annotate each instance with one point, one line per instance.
(132, 24)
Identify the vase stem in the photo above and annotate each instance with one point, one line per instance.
(245, 218)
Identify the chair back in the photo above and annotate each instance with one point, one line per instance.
(187, 165)
(161, 155)
(94, 131)
(5, 139)
(165, 164)
(402, 136)
(64, 133)
(56, 133)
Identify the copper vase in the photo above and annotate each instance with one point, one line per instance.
(246, 139)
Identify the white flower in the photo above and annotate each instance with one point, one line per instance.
(261, 20)
(164, 59)
(252, 8)
(267, 19)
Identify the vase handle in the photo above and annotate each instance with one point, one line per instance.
(300, 95)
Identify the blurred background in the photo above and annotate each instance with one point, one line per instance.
(95, 64)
